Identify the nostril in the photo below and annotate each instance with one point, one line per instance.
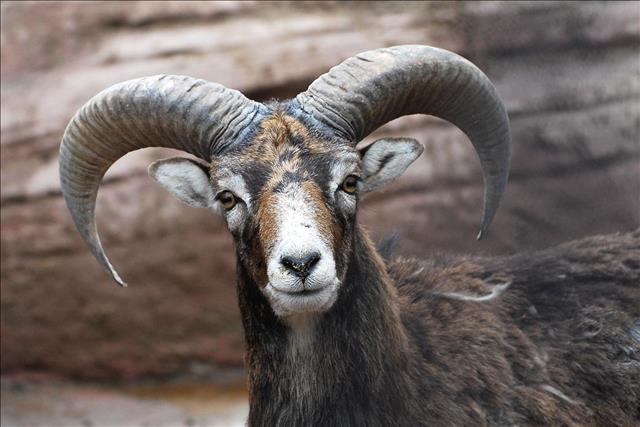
(301, 266)
(312, 260)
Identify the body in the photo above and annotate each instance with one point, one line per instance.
(560, 345)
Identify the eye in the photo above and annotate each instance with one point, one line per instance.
(350, 184)
(227, 199)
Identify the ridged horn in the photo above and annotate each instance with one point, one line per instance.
(370, 89)
(188, 114)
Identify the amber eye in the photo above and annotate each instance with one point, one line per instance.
(227, 199)
(350, 184)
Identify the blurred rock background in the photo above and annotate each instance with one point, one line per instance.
(568, 72)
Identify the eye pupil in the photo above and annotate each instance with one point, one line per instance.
(227, 199)
(350, 184)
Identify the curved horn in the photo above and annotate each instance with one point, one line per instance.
(370, 89)
(178, 112)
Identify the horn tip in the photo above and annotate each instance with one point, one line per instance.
(116, 277)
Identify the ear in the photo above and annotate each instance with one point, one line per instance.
(186, 179)
(386, 159)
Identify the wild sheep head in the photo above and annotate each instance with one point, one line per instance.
(285, 176)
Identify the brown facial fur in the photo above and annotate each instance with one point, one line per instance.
(285, 152)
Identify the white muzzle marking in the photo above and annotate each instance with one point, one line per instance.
(289, 291)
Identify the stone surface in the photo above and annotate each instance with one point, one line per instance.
(142, 405)
(568, 72)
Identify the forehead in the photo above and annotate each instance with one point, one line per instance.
(285, 150)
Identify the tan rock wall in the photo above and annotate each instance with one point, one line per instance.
(569, 73)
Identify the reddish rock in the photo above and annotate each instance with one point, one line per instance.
(568, 72)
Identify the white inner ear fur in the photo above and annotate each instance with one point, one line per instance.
(386, 159)
(185, 179)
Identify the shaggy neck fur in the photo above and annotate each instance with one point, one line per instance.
(345, 367)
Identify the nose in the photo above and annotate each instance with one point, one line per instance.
(301, 266)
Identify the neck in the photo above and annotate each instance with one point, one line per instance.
(340, 367)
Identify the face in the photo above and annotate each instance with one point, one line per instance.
(289, 199)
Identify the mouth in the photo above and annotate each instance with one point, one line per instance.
(303, 292)
(286, 302)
